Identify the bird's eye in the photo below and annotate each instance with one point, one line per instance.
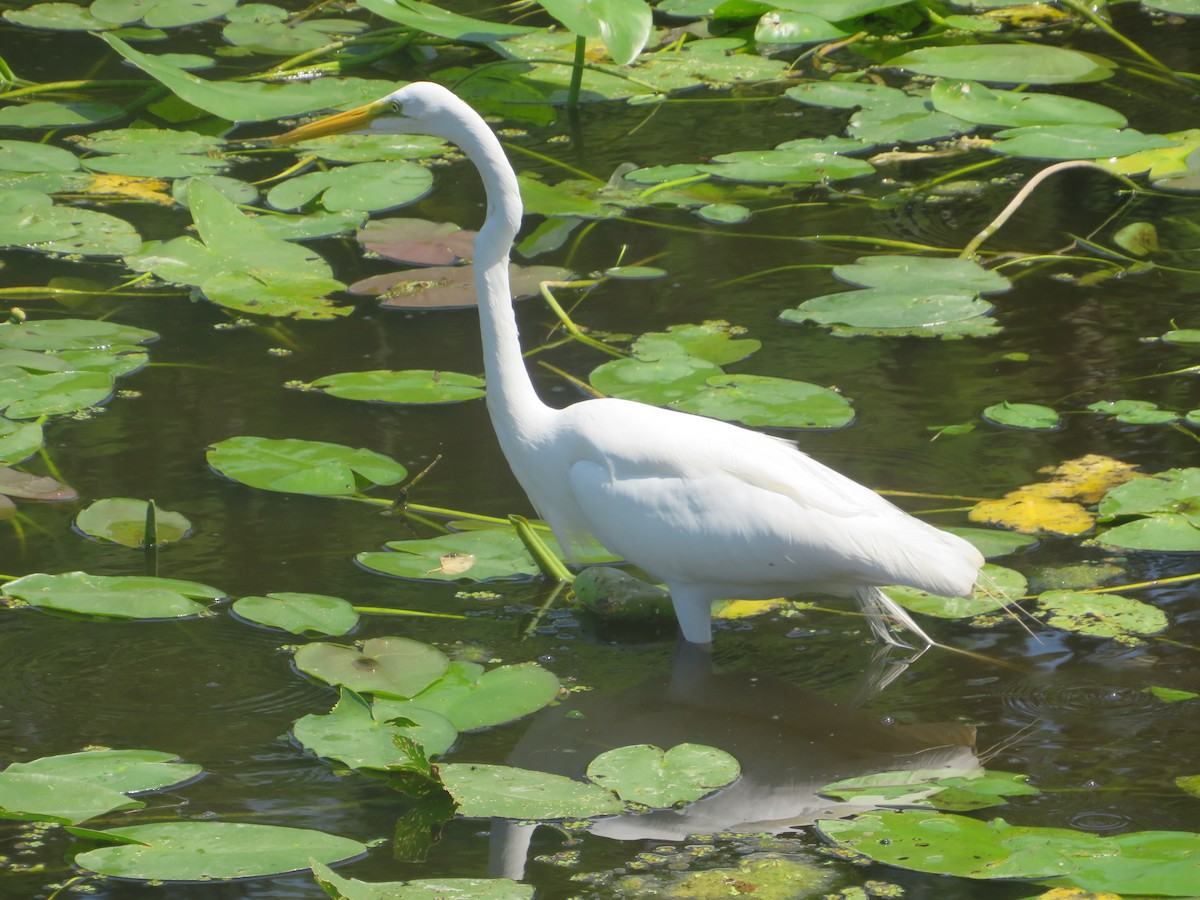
(397, 106)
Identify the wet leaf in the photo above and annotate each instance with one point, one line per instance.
(122, 520)
(153, 152)
(793, 166)
(1138, 238)
(18, 441)
(1166, 533)
(56, 17)
(1087, 478)
(932, 788)
(650, 776)
(392, 666)
(471, 698)
(1171, 695)
(302, 467)
(126, 771)
(1023, 415)
(418, 242)
(251, 101)
(432, 19)
(1007, 64)
(363, 186)
(113, 596)
(159, 13)
(634, 273)
(484, 555)
(56, 114)
(452, 287)
(55, 798)
(1075, 141)
(990, 542)
(715, 341)
(724, 213)
(997, 587)
(34, 487)
(71, 334)
(974, 102)
(1031, 511)
(794, 29)
(622, 25)
(414, 386)
(1099, 615)
(266, 28)
(1172, 491)
(363, 737)
(213, 851)
(483, 791)
(354, 148)
(659, 381)
(299, 613)
(763, 400)
(420, 888)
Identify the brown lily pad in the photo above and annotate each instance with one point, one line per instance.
(418, 242)
(448, 287)
(34, 487)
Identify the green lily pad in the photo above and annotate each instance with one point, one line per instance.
(1007, 64)
(160, 13)
(413, 386)
(299, 613)
(1100, 615)
(363, 186)
(998, 587)
(71, 334)
(55, 798)
(1134, 412)
(786, 166)
(904, 119)
(1170, 695)
(214, 851)
(357, 147)
(1169, 492)
(634, 273)
(122, 520)
(58, 114)
(432, 19)
(125, 771)
(1175, 7)
(302, 467)
(421, 888)
(764, 400)
(55, 17)
(251, 101)
(1164, 533)
(29, 218)
(650, 776)
(623, 26)
(153, 152)
(724, 213)
(715, 341)
(113, 596)
(975, 102)
(313, 225)
(55, 393)
(266, 28)
(364, 737)
(658, 381)
(932, 788)
(484, 791)
(30, 156)
(992, 542)
(794, 29)
(472, 698)
(19, 441)
(1023, 415)
(393, 666)
(1075, 141)
(468, 556)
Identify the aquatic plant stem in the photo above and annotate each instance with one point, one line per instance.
(1087, 13)
(567, 376)
(567, 323)
(577, 73)
(384, 611)
(1141, 585)
(1022, 195)
(550, 564)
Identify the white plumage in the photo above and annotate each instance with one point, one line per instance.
(713, 510)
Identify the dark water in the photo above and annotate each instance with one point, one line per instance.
(788, 693)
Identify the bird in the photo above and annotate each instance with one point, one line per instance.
(712, 510)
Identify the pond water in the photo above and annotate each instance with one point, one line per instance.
(794, 695)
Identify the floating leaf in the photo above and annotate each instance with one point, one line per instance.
(153, 152)
(363, 737)
(764, 400)
(483, 791)
(1171, 695)
(647, 775)
(1172, 491)
(1023, 415)
(469, 556)
(623, 25)
(71, 334)
(266, 28)
(974, 102)
(34, 487)
(421, 888)
(794, 166)
(453, 287)
(1166, 533)
(299, 613)
(393, 666)
(126, 771)
(997, 587)
(1029, 510)
(724, 213)
(795, 29)
(56, 114)
(55, 17)
(1007, 63)
(990, 542)
(54, 798)
(409, 387)
(1100, 615)
(18, 441)
(715, 341)
(302, 467)
(432, 19)
(364, 186)
(936, 788)
(472, 698)
(1075, 141)
(113, 596)
(418, 242)
(209, 851)
(658, 381)
(122, 520)
(159, 13)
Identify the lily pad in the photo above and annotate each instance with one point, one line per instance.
(364, 186)
(449, 287)
(469, 556)
(54, 393)
(153, 152)
(974, 102)
(122, 520)
(392, 666)
(659, 381)
(126, 771)
(1023, 415)
(160, 13)
(71, 334)
(1007, 64)
(414, 386)
(299, 613)
(484, 791)
(1100, 615)
(418, 242)
(303, 467)
(650, 776)
(991, 542)
(19, 441)
(472, 698)
(421, 888)
(364, 737)
(1164, 533)
(716, 342)
(55, 798)
(432, 19)
(266, 28)
(113, 596)
(58, 114)
(935, 788)
(997, 588)
(214, 851)
(764, 400)
(1075, 142)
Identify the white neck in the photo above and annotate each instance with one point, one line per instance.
(512, 401)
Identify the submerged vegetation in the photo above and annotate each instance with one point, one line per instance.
(145, 184)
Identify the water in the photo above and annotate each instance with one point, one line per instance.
(1072, 716)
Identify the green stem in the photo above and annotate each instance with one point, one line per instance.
(551, 565)
(383, 611)
(577, 72)
(568, 324)
(53, 86)
(1105, 26)
(798, 238)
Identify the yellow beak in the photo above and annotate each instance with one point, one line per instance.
(355, 119)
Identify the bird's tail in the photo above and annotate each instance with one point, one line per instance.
(882, 611)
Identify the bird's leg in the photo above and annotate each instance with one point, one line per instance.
(694, 612)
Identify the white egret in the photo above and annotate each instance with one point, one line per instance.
(713, 510)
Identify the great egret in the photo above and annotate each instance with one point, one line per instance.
(713, 510)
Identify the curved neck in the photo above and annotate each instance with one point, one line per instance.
(510, 393)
